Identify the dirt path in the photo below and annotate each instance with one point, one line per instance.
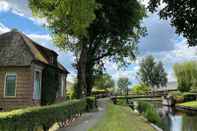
(88, 120)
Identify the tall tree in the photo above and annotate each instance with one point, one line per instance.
(161, 75)
(95, 30)
(152, 73)
(123, 83)
(186, 74)
(146, 72)
(182, 14)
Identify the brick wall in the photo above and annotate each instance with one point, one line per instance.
(24, 87)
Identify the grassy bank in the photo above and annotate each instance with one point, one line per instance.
(118, 118)
(192, 104)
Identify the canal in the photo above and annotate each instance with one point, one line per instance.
(175, 120)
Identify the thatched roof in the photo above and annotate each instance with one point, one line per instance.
(16, 49)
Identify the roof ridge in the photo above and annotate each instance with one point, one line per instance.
(38, 55)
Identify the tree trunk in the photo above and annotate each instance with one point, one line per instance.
(89, 84)
(89, 76)
(81, 67)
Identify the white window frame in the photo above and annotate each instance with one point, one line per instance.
(62, 84)
(60, 92)
(5, 83)
(34, 73)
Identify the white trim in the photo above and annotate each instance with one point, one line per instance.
(62, 84)
(5, 81)
(34, 73)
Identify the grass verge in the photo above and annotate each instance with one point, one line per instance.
(119, 118)
(192, 104)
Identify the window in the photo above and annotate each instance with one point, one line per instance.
(10, 84)
(37, 85)
(61, 86)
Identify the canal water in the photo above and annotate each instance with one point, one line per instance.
(175, 120)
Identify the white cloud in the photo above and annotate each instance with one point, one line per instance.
(4, 6)
(3, 28)
(21, 8)
(38, 37)
(161, 35)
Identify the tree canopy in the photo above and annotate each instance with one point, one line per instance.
(186, 74)
(95, 31)
(182, 14)
(103, 81)
(152, 73)
(123, 83)
(140, 89)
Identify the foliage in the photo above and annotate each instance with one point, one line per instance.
(76, 94)
(70, 16)
(33, 117)
(121, 118)
(149, 112)
(103, 81)
(50, 85)
(91, 103)
(182, 14)
(95, 31)
(152, 73)
(140, 89)
(123, 83)
(122, 102)
(97, 92)
(186, 74)
(176, 94)
(30, 118)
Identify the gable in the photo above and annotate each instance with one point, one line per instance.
(13, 51)
(16, 49)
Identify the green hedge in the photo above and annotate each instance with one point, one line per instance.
(150, 113)
(30, 118)
(99, 92)
(91, 103)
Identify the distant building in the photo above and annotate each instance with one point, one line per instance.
(171, 86)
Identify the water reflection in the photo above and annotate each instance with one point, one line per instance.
(174, 120)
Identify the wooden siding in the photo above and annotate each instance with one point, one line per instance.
(24, 87)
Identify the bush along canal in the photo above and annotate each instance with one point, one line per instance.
(169, 118)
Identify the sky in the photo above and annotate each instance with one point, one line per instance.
(162, 42)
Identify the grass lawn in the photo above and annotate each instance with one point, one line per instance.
(118, 118)
(192, 104)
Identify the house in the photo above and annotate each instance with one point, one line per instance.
(22, 64)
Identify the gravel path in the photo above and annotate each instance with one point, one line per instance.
(88, 120)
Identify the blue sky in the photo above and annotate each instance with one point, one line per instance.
(162, 42)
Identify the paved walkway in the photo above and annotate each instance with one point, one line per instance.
(88, 120)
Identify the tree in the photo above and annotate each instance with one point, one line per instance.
(140, 89)
(104, 81)
(182, 14)
(161, 75)
(123, 83)
(95, 31)
(146, 72)
(152, 73)
(186, 74)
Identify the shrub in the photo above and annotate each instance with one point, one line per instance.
(50, 85)
(100, 92)
(122, 102)
(140, 89)
(91, 103)
(30, 118)
(149, 112)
